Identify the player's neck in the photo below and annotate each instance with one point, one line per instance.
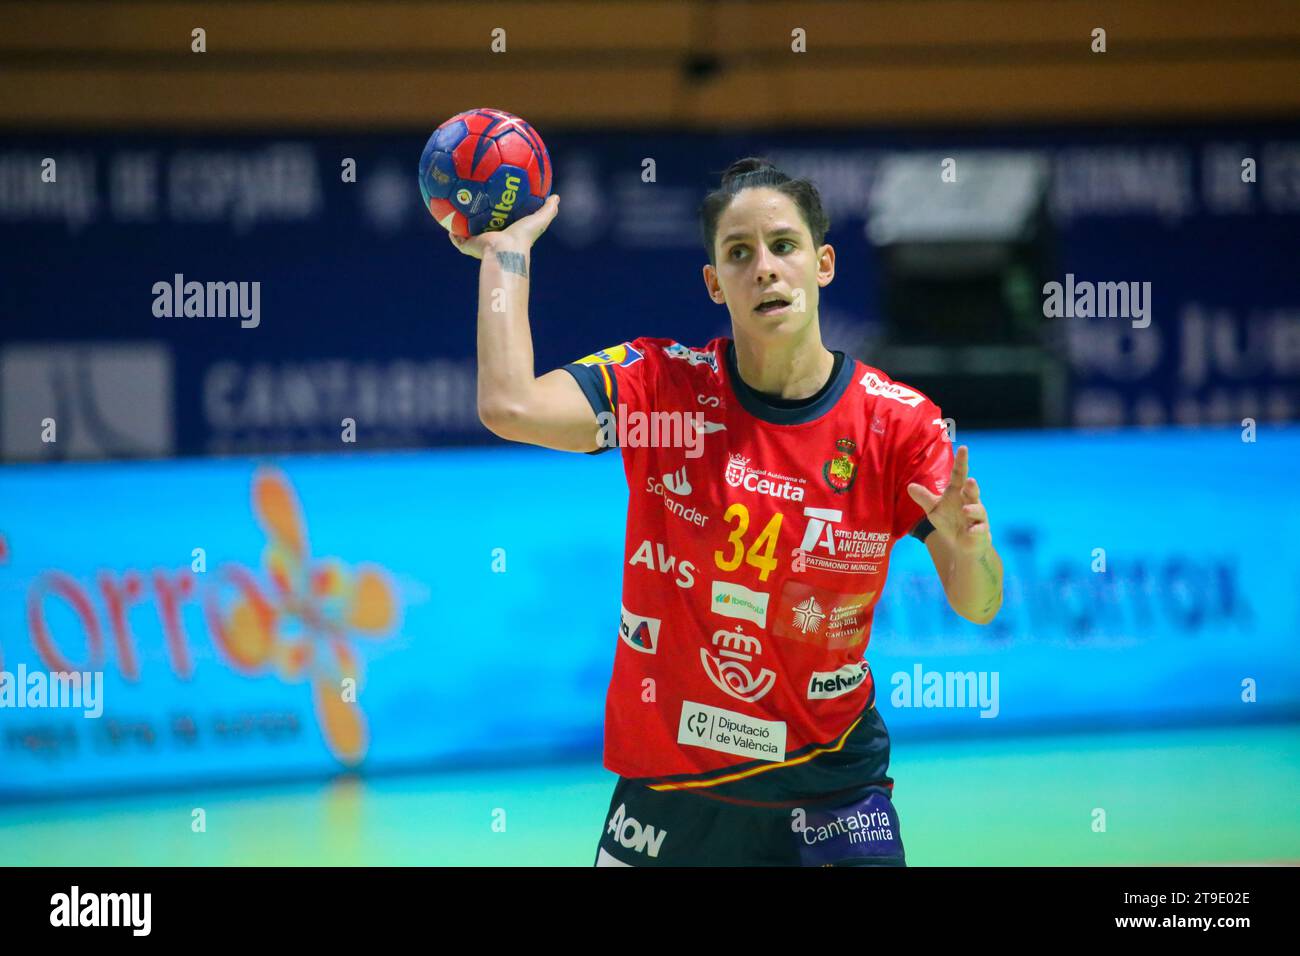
(794, 371)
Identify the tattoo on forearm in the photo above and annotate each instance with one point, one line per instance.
(993, 582)
(988, 569)
(513, 262)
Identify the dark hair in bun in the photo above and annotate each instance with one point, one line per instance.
(748, 173)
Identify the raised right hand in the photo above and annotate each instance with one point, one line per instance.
(518, 236)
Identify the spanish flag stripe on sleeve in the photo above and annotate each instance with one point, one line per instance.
(609, 386)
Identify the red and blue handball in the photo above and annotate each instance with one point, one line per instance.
(483, 169)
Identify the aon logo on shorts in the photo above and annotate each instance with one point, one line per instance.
(634, 836)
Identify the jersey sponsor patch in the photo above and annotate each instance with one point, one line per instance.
(733, 670)
(620, 355)
(826, 685)
(866, 831)
(729, 732)
(821, 616)
(875, 385)
(828, 546)
(639, 633)
(739, 473)
(694, 356)
(736, 600)
(634, 835)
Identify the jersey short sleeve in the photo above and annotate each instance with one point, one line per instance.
(617, 379)
(926, 457)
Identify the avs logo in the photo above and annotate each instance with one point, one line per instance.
(694, 356)
(620, 355)
(730, 669)
(631, 834)
(667, 562)
(875, 385)
(639, 633)
(824, 685)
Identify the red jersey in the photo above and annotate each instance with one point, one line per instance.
(758, 540)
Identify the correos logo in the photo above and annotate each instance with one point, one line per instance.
(731, 670)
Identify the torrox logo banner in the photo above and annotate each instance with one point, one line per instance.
(296, 620)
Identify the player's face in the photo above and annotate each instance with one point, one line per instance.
(764, 251)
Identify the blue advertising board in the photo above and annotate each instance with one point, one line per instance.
(261, 619)
(365, 311)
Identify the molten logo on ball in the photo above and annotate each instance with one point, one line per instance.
(482, 170)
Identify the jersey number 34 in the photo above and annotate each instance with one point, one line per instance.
(761, 554)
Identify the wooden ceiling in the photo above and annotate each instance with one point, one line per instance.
(694, 64)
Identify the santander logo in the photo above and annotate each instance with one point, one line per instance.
(739, 474)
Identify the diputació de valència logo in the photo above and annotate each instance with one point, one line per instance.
(298, 618)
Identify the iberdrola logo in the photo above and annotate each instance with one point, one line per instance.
(304, 627)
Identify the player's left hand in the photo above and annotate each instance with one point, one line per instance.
(957, 514)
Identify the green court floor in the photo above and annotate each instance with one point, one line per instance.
(1169, 797)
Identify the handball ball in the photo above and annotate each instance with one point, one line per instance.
(483, 169)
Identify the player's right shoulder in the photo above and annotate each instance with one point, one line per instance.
(654, 350)
(651, 368)
(623, 355)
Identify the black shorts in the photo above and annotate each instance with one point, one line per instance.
(678, 828)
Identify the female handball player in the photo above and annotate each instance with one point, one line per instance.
(769, 479)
